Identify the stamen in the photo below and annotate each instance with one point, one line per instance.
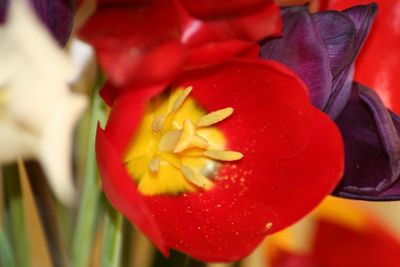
(172, 159)
(169, 140)
(179, 101)
(154, 165)
(223, 155)
(189, 138)
(158, 123)
(214, 117)
(169, 148)
(196, 178)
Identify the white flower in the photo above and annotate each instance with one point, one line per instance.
(38, 111)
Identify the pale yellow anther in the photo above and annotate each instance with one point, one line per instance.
(189, 138)
(154, 165)
(169, 140)
(196, 178)
(158, 123)
(214, 117)
(223, 155)
(179, 101)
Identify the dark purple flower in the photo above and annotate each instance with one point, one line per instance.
(372, 146)
(57, 15)
(321, 48)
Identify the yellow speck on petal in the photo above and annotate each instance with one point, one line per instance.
(214, 117)
(223, 155)
(154, 165)
(196, 178)
(268, 226)
(179, 101)
(189, 138)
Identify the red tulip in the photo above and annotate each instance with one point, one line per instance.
(356, 240)
(292, 158)
(145, 42)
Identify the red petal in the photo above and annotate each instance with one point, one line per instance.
(219, 39)
(372, 246)
(133, 45)
(211, 9)
(248, 27)
(126, 115)
(340, 245)
(109, 92)
(140, 43)
(121, 190)
(293, 158)
(214, 53)
(379, 61)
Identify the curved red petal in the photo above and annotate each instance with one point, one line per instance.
(214, 40)
(109, 92)
(372, 246)
(293, 158)
(247, 27)
(121, 190)
(216, 52)
(378, 63)
(127, 113)
(132, 44)
(214, 9)
(140, 43)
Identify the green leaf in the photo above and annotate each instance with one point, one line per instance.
(89, 203)
(6, 255)
(112, 242)
(15, 218)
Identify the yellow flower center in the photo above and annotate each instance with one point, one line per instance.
(176, 148)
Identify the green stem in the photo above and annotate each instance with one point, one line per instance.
(112, 242)
(15, 220)
(6, 255)
(87, 213)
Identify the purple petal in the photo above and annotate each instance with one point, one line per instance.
(344, 49)
(371, 135)
(344, 34)
(341, 91)
(339, 35)
(362, 17)
(3, 9)
(301, 48)
(57, 15)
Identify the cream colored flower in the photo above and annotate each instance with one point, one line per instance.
(38, 111)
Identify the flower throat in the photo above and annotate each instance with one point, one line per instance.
(177, 148)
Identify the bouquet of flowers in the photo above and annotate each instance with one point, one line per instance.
(199, 133)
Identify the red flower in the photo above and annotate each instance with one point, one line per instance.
(143, 42)
(292, 158)
(378, 63)
(348, 244)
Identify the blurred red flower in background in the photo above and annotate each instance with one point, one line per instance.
(343, 235)
(145, 42)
